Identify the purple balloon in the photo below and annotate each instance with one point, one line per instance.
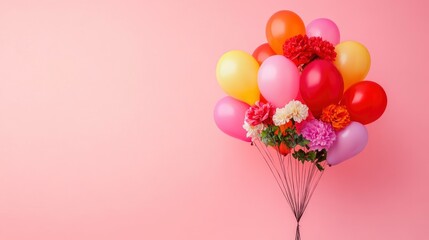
(324, 28)
(349, 142)
(278, 80)
(229, 117)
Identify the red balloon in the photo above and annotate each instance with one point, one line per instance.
(263, 52)
(321, 84)
(262, 99)
(365, 101)
(282, 149)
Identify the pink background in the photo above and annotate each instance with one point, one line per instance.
(106, 127)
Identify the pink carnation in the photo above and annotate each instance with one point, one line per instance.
(320, 134)
(260, 113)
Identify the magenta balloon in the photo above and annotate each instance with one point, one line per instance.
(349, 142)
(229, 117)
(324, 28)
(278, 80)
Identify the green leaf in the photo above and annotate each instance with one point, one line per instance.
(305, 141)
(321, 155)
(312, 155)
(295, 155)
(301, 155)
(320, 167)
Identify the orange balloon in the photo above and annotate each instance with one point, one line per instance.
(263, 52)
(282, 26)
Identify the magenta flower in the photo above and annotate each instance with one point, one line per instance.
(320, 134)
(260, 113)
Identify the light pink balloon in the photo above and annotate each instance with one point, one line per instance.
(278, 80)
(229, 117)
(324, 28)
(349, 142)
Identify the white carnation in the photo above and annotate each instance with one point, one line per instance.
(297, 110)
(253, 131)
(293, 110)
(281, 117)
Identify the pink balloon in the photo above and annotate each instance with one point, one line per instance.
(349, 142)
(324, 28)
(229, 117)
(278, 80)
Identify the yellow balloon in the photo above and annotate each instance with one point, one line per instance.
(353, 61)
(237, 74)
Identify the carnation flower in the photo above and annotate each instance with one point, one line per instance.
(320, 134)
(302, 50)
(293, 110)
(253, 131)
(299, 111)
(298, 50)
(260, 113)
(336, 115)
(282, 116)
(323, 49)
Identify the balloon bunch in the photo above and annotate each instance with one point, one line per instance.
(303, 99)
(307, 64)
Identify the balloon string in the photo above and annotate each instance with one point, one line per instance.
(288, 181)
(269, 162)
(297, 234)
(297, 180)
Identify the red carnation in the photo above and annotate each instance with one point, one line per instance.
(298, 50)
(323, 49)
(302, 50)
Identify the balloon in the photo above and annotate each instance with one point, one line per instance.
(263, 52)
(262, 99)
(321, 85)
(278, 80)
(237, 74)
(350, 141)
(282, 149)
(353, 61)
(299, 97)
(281, 26)
(365, 101)
(229, 117)
(324, 28)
